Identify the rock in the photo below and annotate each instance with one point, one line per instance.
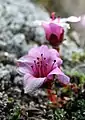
(75, 38)
(5, 79)
(17, 44)
(2, 45)
(18, 81)
(4, 74)
(79, 68)
(7, 58)
(16, 28)
(40, 35)
(1, 94)
(68, 47)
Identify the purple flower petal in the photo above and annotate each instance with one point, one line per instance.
(37, 51)
(57, 30)
(54, 52)
(60, 76)
(26, 59)
(24, 68)
(54, 28)
(47, 29)
(31, 83)
(55, 56)
(24, 64)
(34, 52)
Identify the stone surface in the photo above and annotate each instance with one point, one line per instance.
(16, 29)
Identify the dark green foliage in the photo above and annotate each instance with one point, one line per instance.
(78, 57)
(76, 77)
(74, 110)
(60, 114)
(15, 114)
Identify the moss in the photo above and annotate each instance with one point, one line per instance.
(60, 114)
(78, 57)
(14, 115)
(74, 110)
(76, 77)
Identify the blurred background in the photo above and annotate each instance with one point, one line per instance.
(67, 8)
(18, 35)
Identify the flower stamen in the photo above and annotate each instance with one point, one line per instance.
(53, 64)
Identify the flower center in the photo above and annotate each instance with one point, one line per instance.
(41, 66)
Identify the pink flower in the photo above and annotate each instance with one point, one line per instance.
(54, 33)
(55, 28)
(39, 66)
